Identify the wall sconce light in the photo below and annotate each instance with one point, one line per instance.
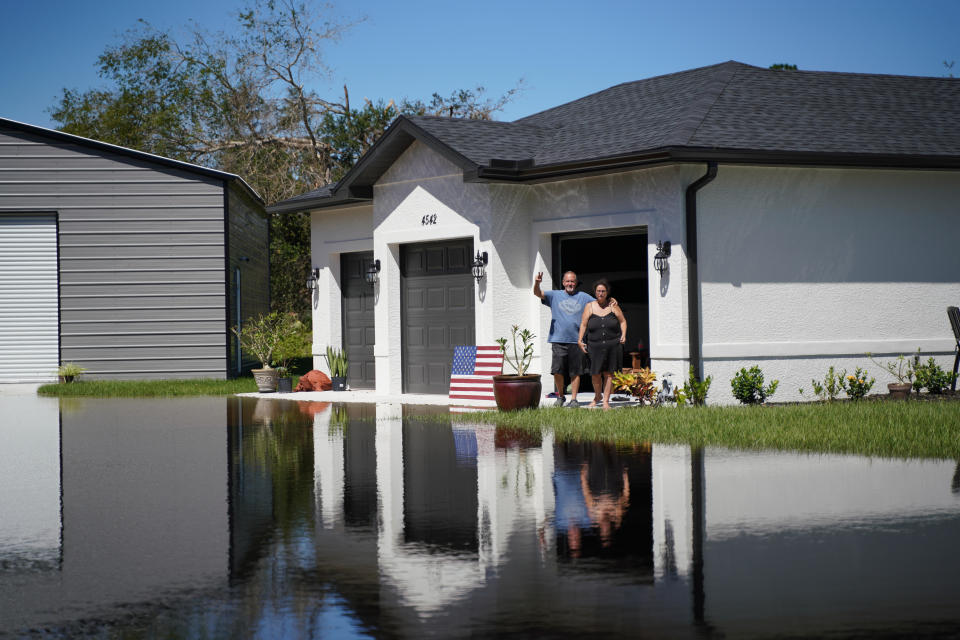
(312, 280)
(373, 272)
(660, 260)
(479, 264)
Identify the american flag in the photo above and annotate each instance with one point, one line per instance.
(471, 378)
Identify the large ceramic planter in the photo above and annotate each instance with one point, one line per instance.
(514, 392)
(899, 390)
(339, 383)
(266, 380)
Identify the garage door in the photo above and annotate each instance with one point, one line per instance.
(29, 308)
(358, 319)
(437, 311)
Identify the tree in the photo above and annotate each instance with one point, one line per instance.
(244, 103)
(782, 66)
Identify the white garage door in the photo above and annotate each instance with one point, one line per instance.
(29, 312)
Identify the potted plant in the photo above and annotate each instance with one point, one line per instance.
(69, 371)
(259, 336)
(903, 369)
(337, 362)
(294, 343)
(518, 390)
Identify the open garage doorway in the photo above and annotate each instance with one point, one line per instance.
(620, 256)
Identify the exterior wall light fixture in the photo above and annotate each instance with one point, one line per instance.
(479, 266)
(312, 280)
(373, 272)
(660, 260)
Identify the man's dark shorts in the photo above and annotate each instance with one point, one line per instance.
(568, 359)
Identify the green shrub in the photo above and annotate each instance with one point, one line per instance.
(748, 386)
(695, 390)
(932, 377)
(856, 384)
(829, 390)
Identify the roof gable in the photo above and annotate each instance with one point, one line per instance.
(106, 147)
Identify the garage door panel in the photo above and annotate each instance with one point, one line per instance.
(458, 298)
(437, 337)
(437, 311)
(435, 299)
(435, 262)
(457, 258)
(29, 298)
(415, 299)
(461, 335)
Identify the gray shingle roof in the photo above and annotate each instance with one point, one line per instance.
(729, 110)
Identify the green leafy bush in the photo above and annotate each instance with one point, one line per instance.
(693, 390)
(748, 386)
(295, 342)
(856, 384)
(829, 390)
(932, 377)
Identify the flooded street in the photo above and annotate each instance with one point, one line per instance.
(252, 518)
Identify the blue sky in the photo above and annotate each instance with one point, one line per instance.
(561, 50)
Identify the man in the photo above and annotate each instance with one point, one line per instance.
(566, 308)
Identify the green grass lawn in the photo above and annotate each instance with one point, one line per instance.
(911, 429)
(149, 388)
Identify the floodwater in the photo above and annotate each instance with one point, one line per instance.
(246, 518)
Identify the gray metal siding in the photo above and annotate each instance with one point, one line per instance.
(142, 269)
(248, 237)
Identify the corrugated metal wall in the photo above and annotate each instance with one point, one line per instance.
(142, 269)
(249, 252)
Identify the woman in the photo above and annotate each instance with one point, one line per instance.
(603, 330)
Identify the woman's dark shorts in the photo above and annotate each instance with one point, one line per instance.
(605, 357)
(568, 359)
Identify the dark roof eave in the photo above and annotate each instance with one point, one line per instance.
(731, 156)
(320, 202)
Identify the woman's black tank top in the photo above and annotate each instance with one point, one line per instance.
(603, 329)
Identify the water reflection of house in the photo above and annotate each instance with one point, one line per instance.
(460, 510)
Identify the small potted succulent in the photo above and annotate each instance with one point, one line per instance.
(518, 390)
(337, 362)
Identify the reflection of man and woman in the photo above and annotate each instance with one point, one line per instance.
(591, 500)
(568, 308)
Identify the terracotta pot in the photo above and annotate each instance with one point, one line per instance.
(899, 390)
(266, 380)
(514, 392)
(339, 383)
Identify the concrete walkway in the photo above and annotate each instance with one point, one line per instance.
(357, 395)
(20, 388)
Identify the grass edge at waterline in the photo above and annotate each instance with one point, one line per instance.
(149, 388)
(908, 429)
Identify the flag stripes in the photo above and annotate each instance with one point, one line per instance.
(471, 377)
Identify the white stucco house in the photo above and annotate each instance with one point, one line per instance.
(813, 217)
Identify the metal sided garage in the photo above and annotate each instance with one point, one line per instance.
(131, 265)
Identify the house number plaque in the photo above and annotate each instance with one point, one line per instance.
(430, 218)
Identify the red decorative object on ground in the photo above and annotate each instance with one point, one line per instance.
(315, 380)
